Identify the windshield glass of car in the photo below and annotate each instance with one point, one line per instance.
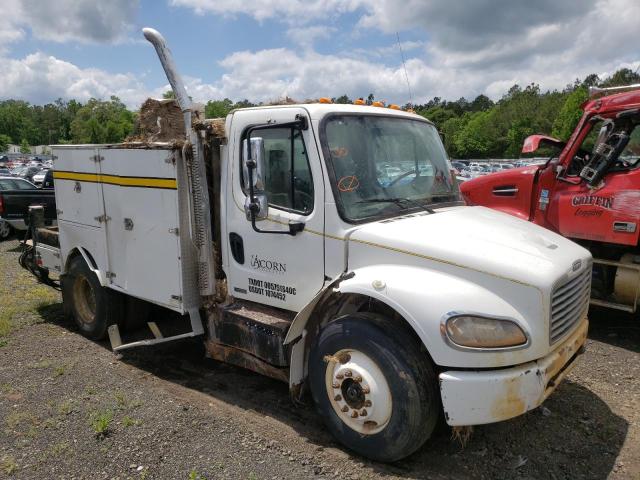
(384, 165)
(15, 184)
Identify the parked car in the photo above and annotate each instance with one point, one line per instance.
(48, 179)
(16, 195)
(38, 178)
(5, 171)
(26, 172)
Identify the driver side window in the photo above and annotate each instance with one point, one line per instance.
(287, 175)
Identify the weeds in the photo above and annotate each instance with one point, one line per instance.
(59, 370)
(65, 408)
(127, 421)
(9, 465)
(193, 475)
(100, 421)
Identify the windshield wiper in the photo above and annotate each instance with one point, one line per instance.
(403, 203)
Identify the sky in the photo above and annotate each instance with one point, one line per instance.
(264, 50)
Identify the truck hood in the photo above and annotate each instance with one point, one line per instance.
(479, 239)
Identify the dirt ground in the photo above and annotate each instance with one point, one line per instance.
(70, 409)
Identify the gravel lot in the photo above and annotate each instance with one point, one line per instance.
(70, 409)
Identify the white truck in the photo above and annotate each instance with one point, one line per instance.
(278, 236)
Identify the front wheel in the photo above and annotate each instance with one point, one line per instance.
(373, 386)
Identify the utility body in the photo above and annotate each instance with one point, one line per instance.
(588, 192)
(326, 246)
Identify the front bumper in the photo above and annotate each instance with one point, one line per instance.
(479, 397)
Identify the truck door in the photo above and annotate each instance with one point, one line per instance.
(609, 213)
(276, 269)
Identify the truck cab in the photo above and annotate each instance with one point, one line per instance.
(586, 191)
(325, 246)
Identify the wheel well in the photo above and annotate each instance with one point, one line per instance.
(340, 304)
(76, 253)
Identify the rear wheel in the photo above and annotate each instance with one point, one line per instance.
(5, 230)
(373, 386)
(93, 306)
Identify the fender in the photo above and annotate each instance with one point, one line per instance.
(423, 298)
(102, 277)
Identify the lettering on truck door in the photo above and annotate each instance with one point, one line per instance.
(280, 270)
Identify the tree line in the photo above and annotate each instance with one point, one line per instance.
(478, 128)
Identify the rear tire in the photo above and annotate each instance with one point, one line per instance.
(375, 389)
(5, 230)
(93, 307)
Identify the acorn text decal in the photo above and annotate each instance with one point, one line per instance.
(267, 265)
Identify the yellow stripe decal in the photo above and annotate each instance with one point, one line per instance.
(167, 183)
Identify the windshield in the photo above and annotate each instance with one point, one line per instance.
(385, 165)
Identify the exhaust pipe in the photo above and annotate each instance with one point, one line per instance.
(170, 70)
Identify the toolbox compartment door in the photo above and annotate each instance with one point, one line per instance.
(141, 202)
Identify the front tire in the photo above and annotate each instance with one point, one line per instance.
(374, 388)
(93, 307)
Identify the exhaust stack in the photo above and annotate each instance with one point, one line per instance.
(170, 70)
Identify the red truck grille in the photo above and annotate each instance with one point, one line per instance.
(569, 303)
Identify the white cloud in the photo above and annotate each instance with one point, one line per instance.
(305, 37)
(39, 78)
(292, 11)
(84, 21)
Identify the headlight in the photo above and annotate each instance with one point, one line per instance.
(482, 332)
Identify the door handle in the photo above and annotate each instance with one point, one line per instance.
(505, 191)
(237, 247)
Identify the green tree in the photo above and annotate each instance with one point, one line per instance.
(102, 122)
(169, 94)
(569, 114)
(24, 146)
(218, 108)
(5, 140)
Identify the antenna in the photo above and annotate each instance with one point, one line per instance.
(404, 65)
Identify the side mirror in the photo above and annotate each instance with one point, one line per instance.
(256, 205)
(253, 160)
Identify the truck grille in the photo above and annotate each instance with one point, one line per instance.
(569, 303)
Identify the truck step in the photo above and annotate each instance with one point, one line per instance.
(117, 344)
(254, 329)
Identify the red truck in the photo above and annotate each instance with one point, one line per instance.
(589, 192)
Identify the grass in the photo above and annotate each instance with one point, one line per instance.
(9, 465)
(127, 421)
(100, 421)
(193, 475)
(22, 297)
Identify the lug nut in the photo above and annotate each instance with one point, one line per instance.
(337, 398)
(335, 385)
(339, 376)
(345, 409)
(363, 413)
(357, 378)
(344, 358)
(365, 389)
(348, 373)
(367, 403)
(354, 414)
